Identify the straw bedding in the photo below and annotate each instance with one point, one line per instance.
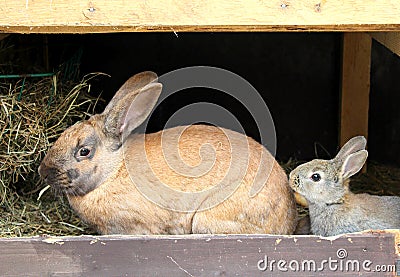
(33, 113)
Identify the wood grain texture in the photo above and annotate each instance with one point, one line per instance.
(200, 255)
(389, 40)
(76, 16)
(356, 66)
(397, 240)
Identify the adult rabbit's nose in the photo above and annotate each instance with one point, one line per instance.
(44, 170)
(47, 173)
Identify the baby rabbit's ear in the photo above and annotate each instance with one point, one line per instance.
(353, 163)
(131, 106)
(352, 146)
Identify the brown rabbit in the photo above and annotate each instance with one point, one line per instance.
(334, 209)
(187, 179)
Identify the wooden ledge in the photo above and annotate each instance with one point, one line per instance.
(199, 255)
(76, 16)
(93, 29)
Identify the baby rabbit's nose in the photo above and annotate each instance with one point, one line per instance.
(293, 179)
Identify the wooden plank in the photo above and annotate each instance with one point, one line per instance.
(389, 40)
(200, 255)
(355, 86)
(77, 16)
(397, 240)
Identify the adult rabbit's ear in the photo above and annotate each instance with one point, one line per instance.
(130, 107)
(353, 163)
(133, 84)
(140, 108)
(352, 146)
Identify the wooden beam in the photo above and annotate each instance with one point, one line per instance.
(355, 86)
(389, 40)
(77, 16)
(199, 255)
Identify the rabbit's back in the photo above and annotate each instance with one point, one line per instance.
(359, 212)
(222, 166)
(382, 212)
(197, 157)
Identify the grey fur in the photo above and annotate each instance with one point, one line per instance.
(334, 209)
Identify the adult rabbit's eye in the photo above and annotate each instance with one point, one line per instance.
(83, 152)
(316, 177)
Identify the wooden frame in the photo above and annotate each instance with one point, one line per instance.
(390, 40)
(201, 255)
(355, 86)
(207, 255)
(356, 66)
(76, 16)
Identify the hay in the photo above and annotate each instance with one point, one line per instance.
(32, 115)
(24, 216)
(379, 180)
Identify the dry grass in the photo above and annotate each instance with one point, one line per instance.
(26, 216)
(379, 179)
(32, 116)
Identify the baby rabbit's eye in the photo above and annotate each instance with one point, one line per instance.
(84, 152)
(316, 177)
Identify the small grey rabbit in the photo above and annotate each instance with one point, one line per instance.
(334, 209)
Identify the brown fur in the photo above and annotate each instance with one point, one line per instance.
(201, 161)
